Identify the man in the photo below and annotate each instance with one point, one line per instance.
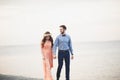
(64, 44)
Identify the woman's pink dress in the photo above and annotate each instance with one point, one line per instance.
(48, 61)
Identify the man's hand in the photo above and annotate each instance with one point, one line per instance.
(72, 57)
(54, 56)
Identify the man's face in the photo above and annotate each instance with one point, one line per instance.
(62, 31)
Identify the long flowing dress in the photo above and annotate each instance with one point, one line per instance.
(48, 61)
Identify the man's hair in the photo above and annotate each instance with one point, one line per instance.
(63, 26)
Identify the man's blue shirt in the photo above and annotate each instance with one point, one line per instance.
(63, 43)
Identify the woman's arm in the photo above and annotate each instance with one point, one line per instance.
(42, 50)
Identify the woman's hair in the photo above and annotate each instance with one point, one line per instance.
(46, 34)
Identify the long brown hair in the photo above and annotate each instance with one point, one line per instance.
(44, 39)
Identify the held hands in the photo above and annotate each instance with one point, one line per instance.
(72, 57)
(54, 56)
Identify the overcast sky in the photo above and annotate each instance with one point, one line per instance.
(25, 21)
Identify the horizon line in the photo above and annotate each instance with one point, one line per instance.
(73, 42)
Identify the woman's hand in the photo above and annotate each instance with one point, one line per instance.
(43, 58)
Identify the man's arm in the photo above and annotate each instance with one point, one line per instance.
(70, 46)
(71, 49)
(55, 46)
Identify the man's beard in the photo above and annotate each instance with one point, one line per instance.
(62, 32)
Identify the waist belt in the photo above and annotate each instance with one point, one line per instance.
(63, 51)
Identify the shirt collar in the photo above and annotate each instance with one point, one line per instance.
(63, 34)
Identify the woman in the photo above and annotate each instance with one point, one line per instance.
(46, 48)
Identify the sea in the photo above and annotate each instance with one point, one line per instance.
(92, 61)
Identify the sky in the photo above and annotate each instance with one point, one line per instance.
(25, 21)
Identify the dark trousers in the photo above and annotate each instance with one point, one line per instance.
(63, 56)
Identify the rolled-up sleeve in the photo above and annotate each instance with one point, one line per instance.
(70, 45)
(55, 45)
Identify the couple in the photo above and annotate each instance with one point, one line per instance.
(64, 45)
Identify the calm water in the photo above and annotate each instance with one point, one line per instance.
(93, 61)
